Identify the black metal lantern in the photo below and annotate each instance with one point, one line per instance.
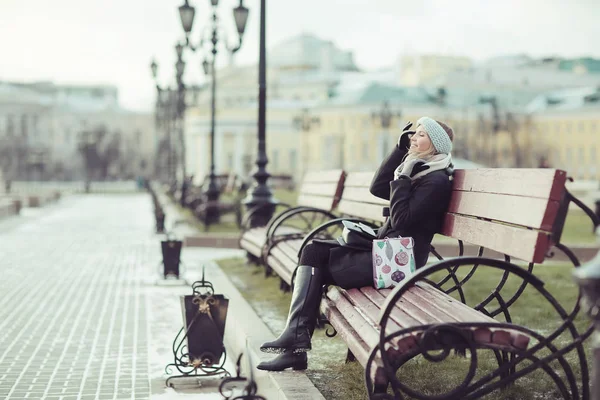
(214, 3)
(240, 14)
(198, 348)
(206, 66)
(186, 15)
(154, 68)
(171, 252)
(204, 316)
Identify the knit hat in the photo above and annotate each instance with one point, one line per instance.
(441, 135)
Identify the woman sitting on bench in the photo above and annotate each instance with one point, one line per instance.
(415, 178)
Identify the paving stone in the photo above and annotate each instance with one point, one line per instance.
(73, 315)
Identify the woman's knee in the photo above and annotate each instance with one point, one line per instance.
(314, 255)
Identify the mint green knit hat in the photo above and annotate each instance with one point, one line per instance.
(441, 138)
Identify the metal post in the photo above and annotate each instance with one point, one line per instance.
(260, 194)
(212, 194)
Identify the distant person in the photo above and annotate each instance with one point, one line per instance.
(415, 178)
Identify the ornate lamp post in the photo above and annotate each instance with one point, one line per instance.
(164, 118)
(240, 14)
(180, 117)
(384, 116)
(304, 121)
(259, 195)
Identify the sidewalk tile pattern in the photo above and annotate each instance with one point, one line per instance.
(73, 319)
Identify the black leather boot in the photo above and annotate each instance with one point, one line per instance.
(288, 359)
(303, 313)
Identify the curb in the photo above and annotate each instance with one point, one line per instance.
(215, 241)
(244, 332)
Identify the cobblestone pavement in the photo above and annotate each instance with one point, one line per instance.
(76, 300)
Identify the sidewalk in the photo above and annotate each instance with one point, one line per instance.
(82, 314)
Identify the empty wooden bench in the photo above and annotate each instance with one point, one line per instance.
(318, 196)
(519, 213)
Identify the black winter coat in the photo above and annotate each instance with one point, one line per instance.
(417, 210)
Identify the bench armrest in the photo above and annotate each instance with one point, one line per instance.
(295, 212)
(250, 213)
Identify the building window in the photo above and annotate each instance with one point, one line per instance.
(230, 161)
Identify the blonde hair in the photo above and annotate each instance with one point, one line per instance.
(423, 155)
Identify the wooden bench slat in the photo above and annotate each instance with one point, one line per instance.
(425, 289)
(332, 175)
(368, 332)
(351, 337)
(290, 247)
(447, 306)
(362, 195)
(255, 235)
(308, 200)
(370, 309)
(366, 211)
(400, 317)
(251, 247)
(524, 244)
(278, 264)
(542, 183)
(360, 179)
(532, 212)
(404, 306)
(327, 189)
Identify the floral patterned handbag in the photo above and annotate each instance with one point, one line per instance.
(393, 261)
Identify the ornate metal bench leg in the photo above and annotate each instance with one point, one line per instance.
(350, 357)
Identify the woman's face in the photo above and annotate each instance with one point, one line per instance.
(420, 142)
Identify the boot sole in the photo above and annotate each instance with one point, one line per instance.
(300, 367)
(281, 350)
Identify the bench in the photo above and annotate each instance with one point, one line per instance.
(318, 196)
(518, 213)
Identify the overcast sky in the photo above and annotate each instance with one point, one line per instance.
(113, 41)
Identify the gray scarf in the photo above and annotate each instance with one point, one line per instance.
(435, 163)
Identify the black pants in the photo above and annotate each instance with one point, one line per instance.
(341, 266)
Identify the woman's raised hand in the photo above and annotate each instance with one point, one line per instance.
(404, 139)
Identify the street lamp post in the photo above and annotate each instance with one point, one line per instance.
(260, 196)
(384, 116)
(180, 118)
(187, 13)
(165, 115)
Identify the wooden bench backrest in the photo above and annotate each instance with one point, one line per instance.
(321, 189)
(512, 211)
(357, 201)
